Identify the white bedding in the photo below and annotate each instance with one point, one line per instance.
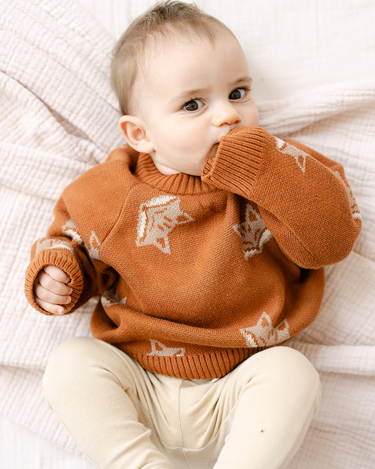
(312, 70)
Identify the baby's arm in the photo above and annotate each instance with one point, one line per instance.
(303, 197)
(65, 272)
(84, 216)
(60, 267)
(51, 291)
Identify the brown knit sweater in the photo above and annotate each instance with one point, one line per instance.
(196, 274)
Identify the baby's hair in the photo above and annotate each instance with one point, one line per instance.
(166, 18)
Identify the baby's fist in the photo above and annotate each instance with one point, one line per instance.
(51, 291)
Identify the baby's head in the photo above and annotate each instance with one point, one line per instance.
(182, 82)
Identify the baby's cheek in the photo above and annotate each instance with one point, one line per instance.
(186, 144)
(198, 142)
(184, 141)
(254, 117)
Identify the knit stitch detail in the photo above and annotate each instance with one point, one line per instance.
(355, 209)
(70, 229)
(296, 153)
(109, 298)
(95, 246)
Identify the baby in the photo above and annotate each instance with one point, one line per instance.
(205, 238)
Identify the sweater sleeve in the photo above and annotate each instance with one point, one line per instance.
(302, 196)
(66, 248)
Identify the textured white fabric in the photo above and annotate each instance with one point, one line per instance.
(59, 117)
(23, 449)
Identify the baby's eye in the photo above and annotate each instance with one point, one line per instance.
(238, 93)
(193, 105)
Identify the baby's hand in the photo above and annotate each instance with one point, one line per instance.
(50, 290)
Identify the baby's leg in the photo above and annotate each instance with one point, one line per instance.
(277, 393)
(94, 389)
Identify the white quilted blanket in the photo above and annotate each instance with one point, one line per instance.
(58, 117)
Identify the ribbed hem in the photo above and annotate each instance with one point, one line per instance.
(64, 261)
(236, 166)
(205, 366)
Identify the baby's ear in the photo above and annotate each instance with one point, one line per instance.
(134, 131)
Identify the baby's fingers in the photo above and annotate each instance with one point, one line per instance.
(52, 285)
(52, 297)
(50, 308)
(50, 301)
(50, 293)
(57, 274)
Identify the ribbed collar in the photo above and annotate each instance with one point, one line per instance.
(180, 183)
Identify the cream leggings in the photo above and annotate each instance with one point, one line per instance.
(124, 417)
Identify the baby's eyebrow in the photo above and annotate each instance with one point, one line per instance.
(246, 80)
(188, 94)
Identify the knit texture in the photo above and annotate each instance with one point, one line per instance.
(195, 274)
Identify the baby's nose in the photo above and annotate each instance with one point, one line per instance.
(226, 115)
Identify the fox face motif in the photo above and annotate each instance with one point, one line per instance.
(48, 243)
(264, 334)
(290, 150)
(70, 229)
(157, 218)
(253, 232)
(160, 350)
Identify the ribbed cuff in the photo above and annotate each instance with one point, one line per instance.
(236, 166)
(64, 261)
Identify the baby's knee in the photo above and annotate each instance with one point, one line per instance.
(296, 373)
(299, 368)
(287, 370)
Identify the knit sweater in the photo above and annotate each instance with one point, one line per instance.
(196, 274)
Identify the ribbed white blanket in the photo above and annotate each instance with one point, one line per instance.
(59, 117)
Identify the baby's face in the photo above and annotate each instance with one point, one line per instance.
(191, 94)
